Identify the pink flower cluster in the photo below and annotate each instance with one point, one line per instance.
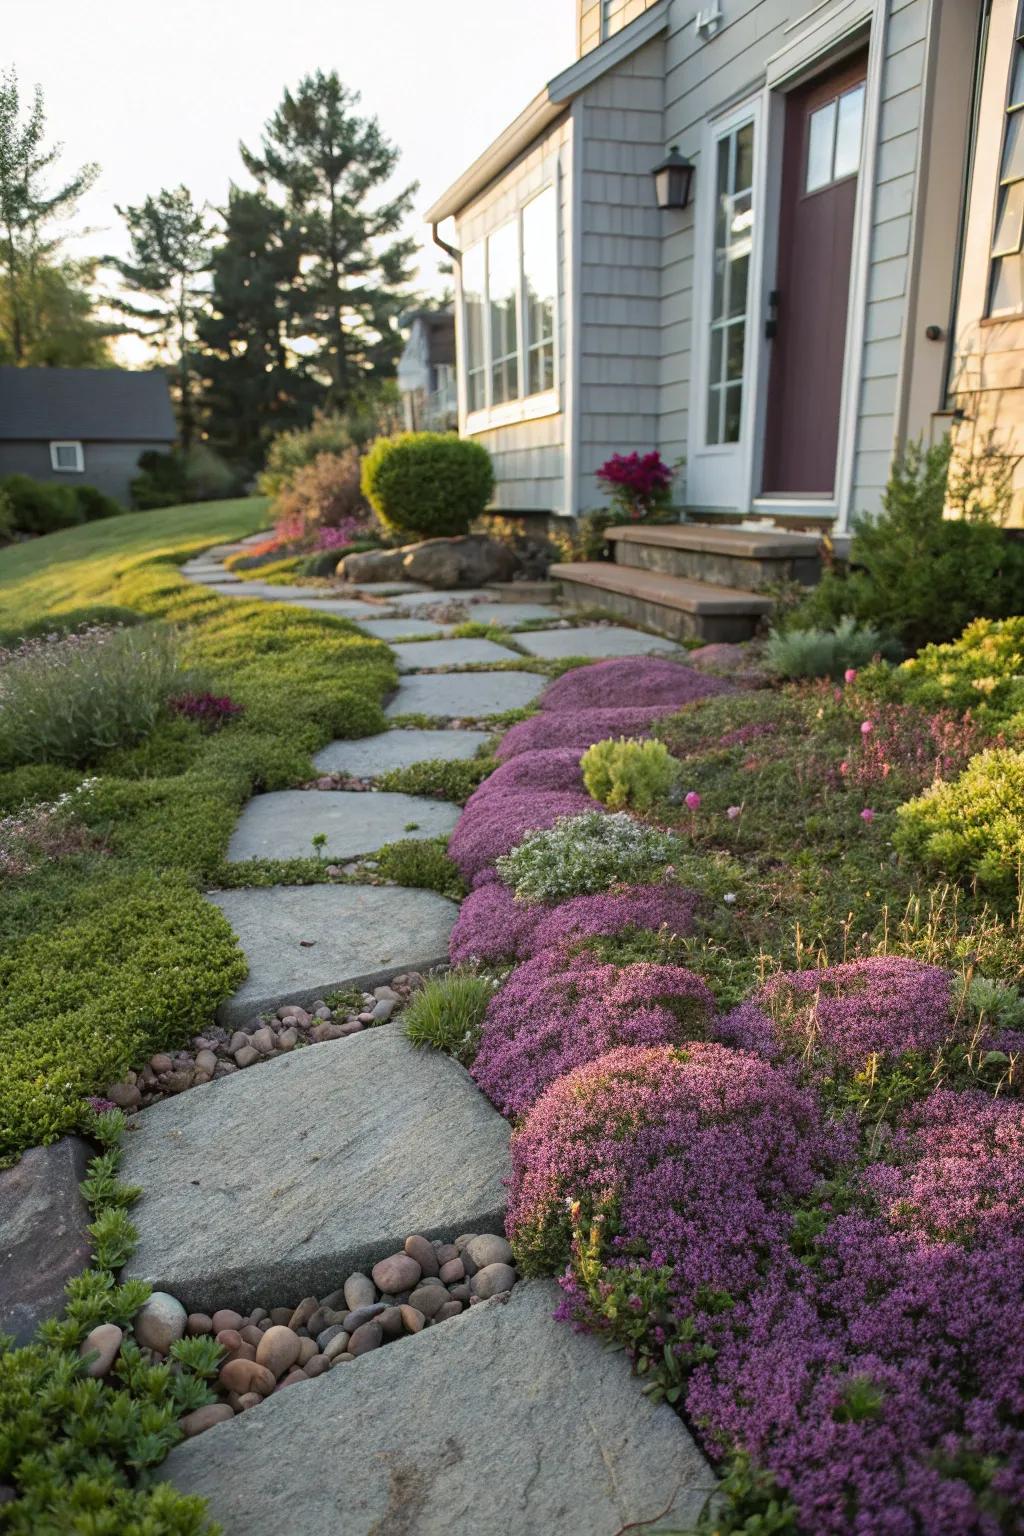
(912, 744)
(638, 481)
(347, 532)
(635, 682)
(208, 709)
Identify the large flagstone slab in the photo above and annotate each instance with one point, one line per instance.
(372, 755)
(404, 629)
(44, 1238)
(302, 942)
(426, 598)
(282, 825)
(499, 1421)
(465, 695)
(508, 614)
(450, 653)
(596, 642)
(279, 1181)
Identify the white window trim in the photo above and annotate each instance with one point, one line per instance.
(526, 407)
(78, 468)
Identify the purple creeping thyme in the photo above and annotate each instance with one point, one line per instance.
(579, 728)
(493, 926)
(545, 768)
(628, 683)
(555, 1012)
(887, 1006)
(492, 825)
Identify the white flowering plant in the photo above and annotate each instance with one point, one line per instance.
(581, 855)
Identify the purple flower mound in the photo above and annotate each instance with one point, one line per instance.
(491, 926)
(887, 1006)
(494, 824)
(554, 1013)
(701, 1150)
(632, 681)
(579, 729)
(546, 768)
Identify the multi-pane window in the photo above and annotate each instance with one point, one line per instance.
(601, 19)
(474, 300)
(503, 303)
(540, 287)
(1006, 292)
(733, 236)
(510, 296)
(834, 139)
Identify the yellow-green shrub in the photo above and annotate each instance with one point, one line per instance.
(628, 772)
(973, 827)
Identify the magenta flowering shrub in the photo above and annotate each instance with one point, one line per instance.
(210, 710)
(640, 483)
(554, 1013)
(492, 926)
(886, 1006)
(630, 683)
(547, 768)
(492, 824)
(578, 729)
(699, 1152)
(347, 532)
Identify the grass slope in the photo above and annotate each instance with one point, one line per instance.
(109, 955)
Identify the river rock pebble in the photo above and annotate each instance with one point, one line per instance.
(160, 1322)
(104, 1342)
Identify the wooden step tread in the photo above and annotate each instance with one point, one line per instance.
(698, 597)
(745, 543)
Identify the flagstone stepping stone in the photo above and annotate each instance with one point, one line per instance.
(337, 608)
(404, 629)
(385, 588)
(425, 598)
(501, 1420)
(43, 1233)
(465, 695)
(303, 942)
(611, 640)
(373, 755)
(282, 825)
(283, 1181)
(508, 614)
(450, 653)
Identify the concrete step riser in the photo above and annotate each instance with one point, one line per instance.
(673, 622)
(718, 570)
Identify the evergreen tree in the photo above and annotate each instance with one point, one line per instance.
(36, 283)
(168, 266)
(254, 386)
(329, 162)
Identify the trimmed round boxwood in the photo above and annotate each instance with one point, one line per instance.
(429, 483)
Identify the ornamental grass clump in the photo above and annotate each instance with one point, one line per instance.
(447, 1012)
(556, 1012)
(630, 683)
(70, 698)
(973, 827)
(628, 773)
(581, 855)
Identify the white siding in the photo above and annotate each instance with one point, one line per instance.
(529, 463)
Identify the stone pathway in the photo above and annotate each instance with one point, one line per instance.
(268, 1186)
(599, 643)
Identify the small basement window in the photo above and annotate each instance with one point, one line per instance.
(67, 458)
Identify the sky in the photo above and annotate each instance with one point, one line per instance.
(160, 94)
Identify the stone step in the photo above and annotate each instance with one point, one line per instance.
(373, 755)
(303, 942)
(673, 605)
(280, 1181)
(719, 556)
(465, 695)
(498, 1421)
(282, 825)
(597, 642)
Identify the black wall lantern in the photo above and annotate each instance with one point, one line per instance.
(673, 179)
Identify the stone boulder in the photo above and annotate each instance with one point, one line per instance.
(469, 560)
(44, 1241)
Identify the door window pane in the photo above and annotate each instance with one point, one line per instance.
(1017, 83)
(1006, 286)
(1013, 149)
(1005, 274)
(1010, 225)
(540, 278)
(849, 126)
(473, 312)
(733, 240)
(820, 141)
(502, 291)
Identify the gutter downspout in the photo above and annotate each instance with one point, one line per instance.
(449, 250)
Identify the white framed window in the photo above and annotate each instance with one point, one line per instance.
(733, 236)
(509, 318)
(1006, 276)
(834, 139)
(67, 458)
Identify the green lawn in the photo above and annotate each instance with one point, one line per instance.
(112, 953)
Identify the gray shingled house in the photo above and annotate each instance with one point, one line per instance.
(84, 426)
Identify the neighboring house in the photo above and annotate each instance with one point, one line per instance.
(846, 275)
(426, 372)
(83, 426)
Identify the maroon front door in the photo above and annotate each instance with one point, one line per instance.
(821, 162)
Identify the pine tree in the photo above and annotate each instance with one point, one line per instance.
(254, 386)
(328, 162)
(35, 280)
(170, 259)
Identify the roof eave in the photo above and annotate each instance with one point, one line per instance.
(545, 109)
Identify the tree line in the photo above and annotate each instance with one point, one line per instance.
(283, 301)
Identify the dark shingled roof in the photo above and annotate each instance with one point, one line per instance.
(88, 404)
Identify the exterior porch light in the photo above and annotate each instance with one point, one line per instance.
(673, 179)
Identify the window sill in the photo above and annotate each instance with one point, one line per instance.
(513, 413)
